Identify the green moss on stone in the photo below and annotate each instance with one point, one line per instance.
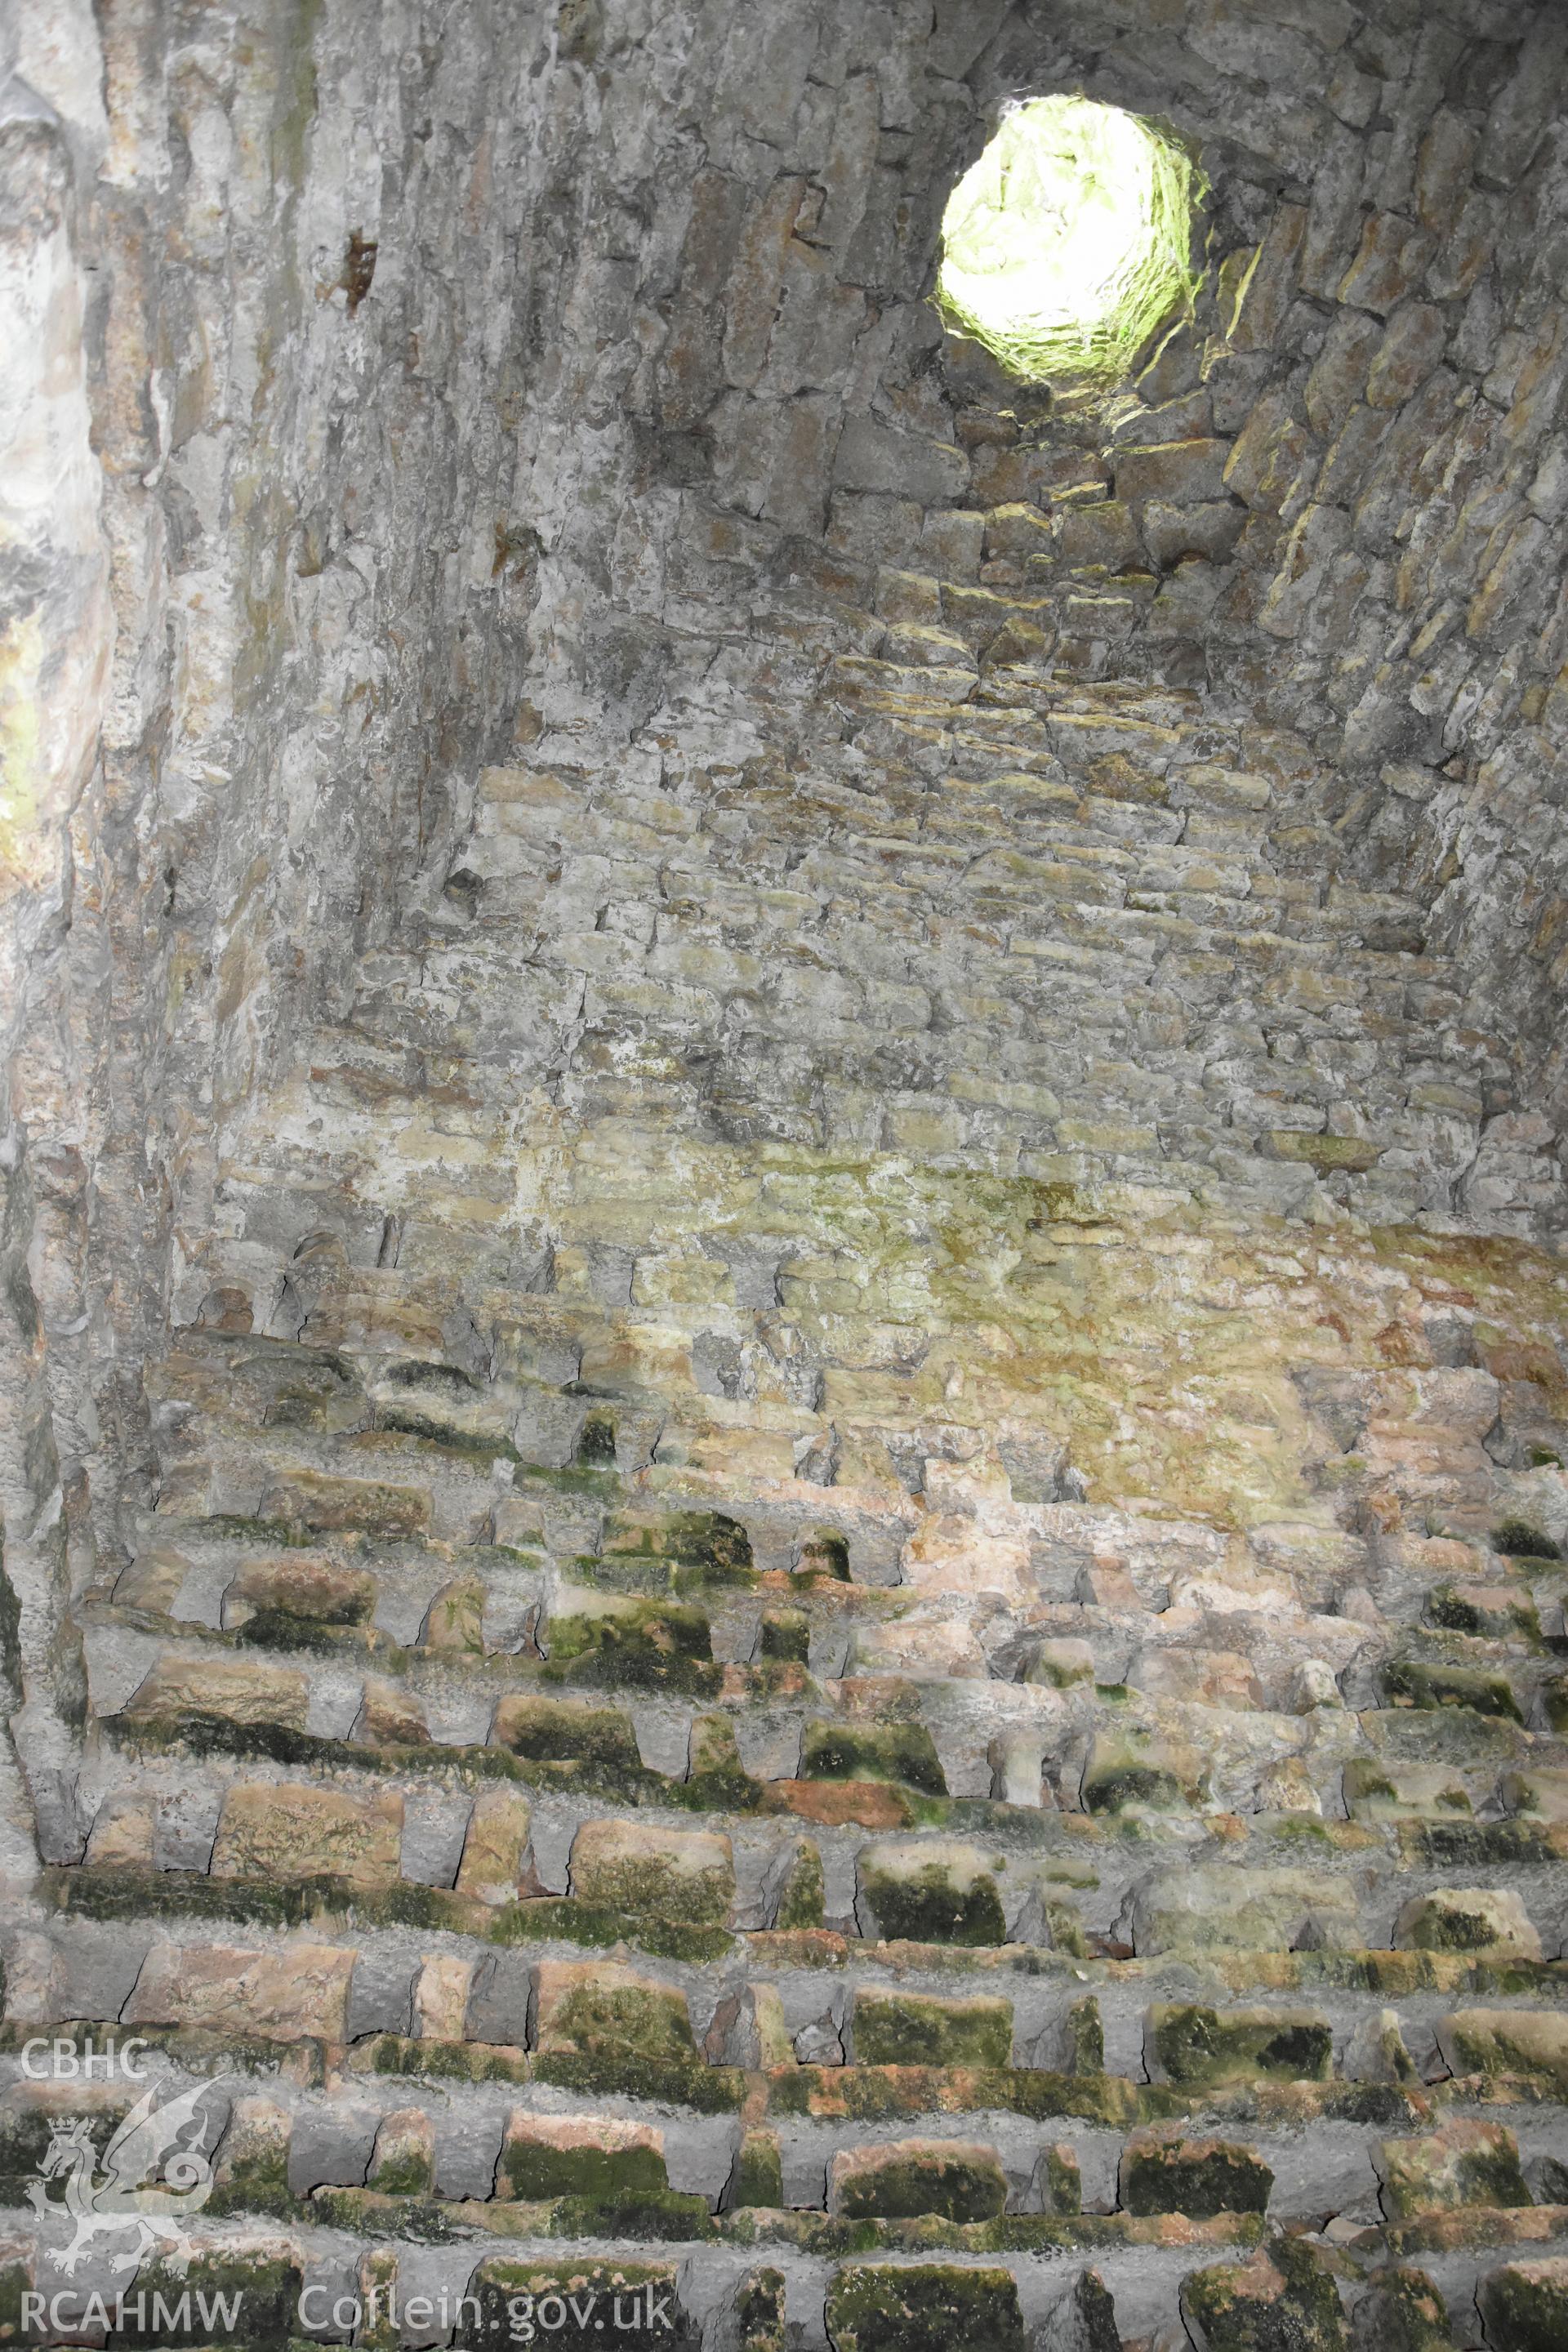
(1517, 1539)
(760, 2313)
(851, 1751)
(929, 1907)
(1284, 2300)
(463, 2061)
(931, 2307)
(635, 2304)
(534, 2170)
(264, 2292)
(659, 1646)
(758, 2177)
(785, 1633)
(1524, 2307)
(562, 1918)
(1402, 2311)
(801, 1902)
(1197, 2178)
(935, 2180)
(1201, 2049)
(1410, 1683)
(894, 2029)
(1084, 2035)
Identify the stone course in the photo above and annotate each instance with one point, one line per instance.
(786, 1371)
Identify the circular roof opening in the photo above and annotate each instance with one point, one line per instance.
(1069, 241)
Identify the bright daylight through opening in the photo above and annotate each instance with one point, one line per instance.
(1069, 242)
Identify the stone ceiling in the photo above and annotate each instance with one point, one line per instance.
(656, 929)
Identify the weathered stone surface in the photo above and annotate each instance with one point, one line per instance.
(1165, 2170)
(234, 1689)
(1469, 1919)
(672, 1874)
(403, 2163)
(296, 1585)
(897, 2180)
(756, 1084)
(281, 1996)
(1203, 2049)
(1253, 1910)
(581, 2156)
(923, 2305)
(895, 2029)
(284, 1831)
(1524, 2305)
(931, 1890)
(1479, 2041)
(1281, 2296)
(495, 1846)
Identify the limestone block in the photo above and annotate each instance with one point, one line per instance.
(1490, 1920)
(495, 1845)
(595, 2156)
(872, 456)
(906, 2028)
(609, 1640)
(152, 1581)
(285, 1831)
(553, 1731)
(282, 1996)
(802, 1891)
(238, 1689)
(455, 1620)
(254, 2157)
(1524, 2307)
(299, 1584)
(1378, 1791)
(324, 1504)
(1208, 528)
(390, 1715)
(668, 1874)
(929, 1890)
(923, 2307)
(1165, 2170)
(1203, 2049)
(1499, 1612)
(1129, 1772)
(856, 1751)
(1402, 2311)
(749, 2029)
(1377, 2050)
(1286, 1787)
(1467, 2162)
(1211, 1907)
(1082, 2320)
(1176, 473)
(757, 2178)
(403, 2163)
(1059, 1663)
(1283, 2295)
(594, 2009)
(1388, 264)
(652, 2317)
(950, 1553)
(1506, 2042)
(441, 1993)
(960, 2181)
(122, 1832)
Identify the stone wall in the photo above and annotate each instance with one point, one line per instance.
(786, 1369)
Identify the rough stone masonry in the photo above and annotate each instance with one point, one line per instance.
(784, 1363)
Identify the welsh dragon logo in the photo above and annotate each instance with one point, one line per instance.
(149, 2186)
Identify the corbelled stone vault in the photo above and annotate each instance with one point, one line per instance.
(784, 1292)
